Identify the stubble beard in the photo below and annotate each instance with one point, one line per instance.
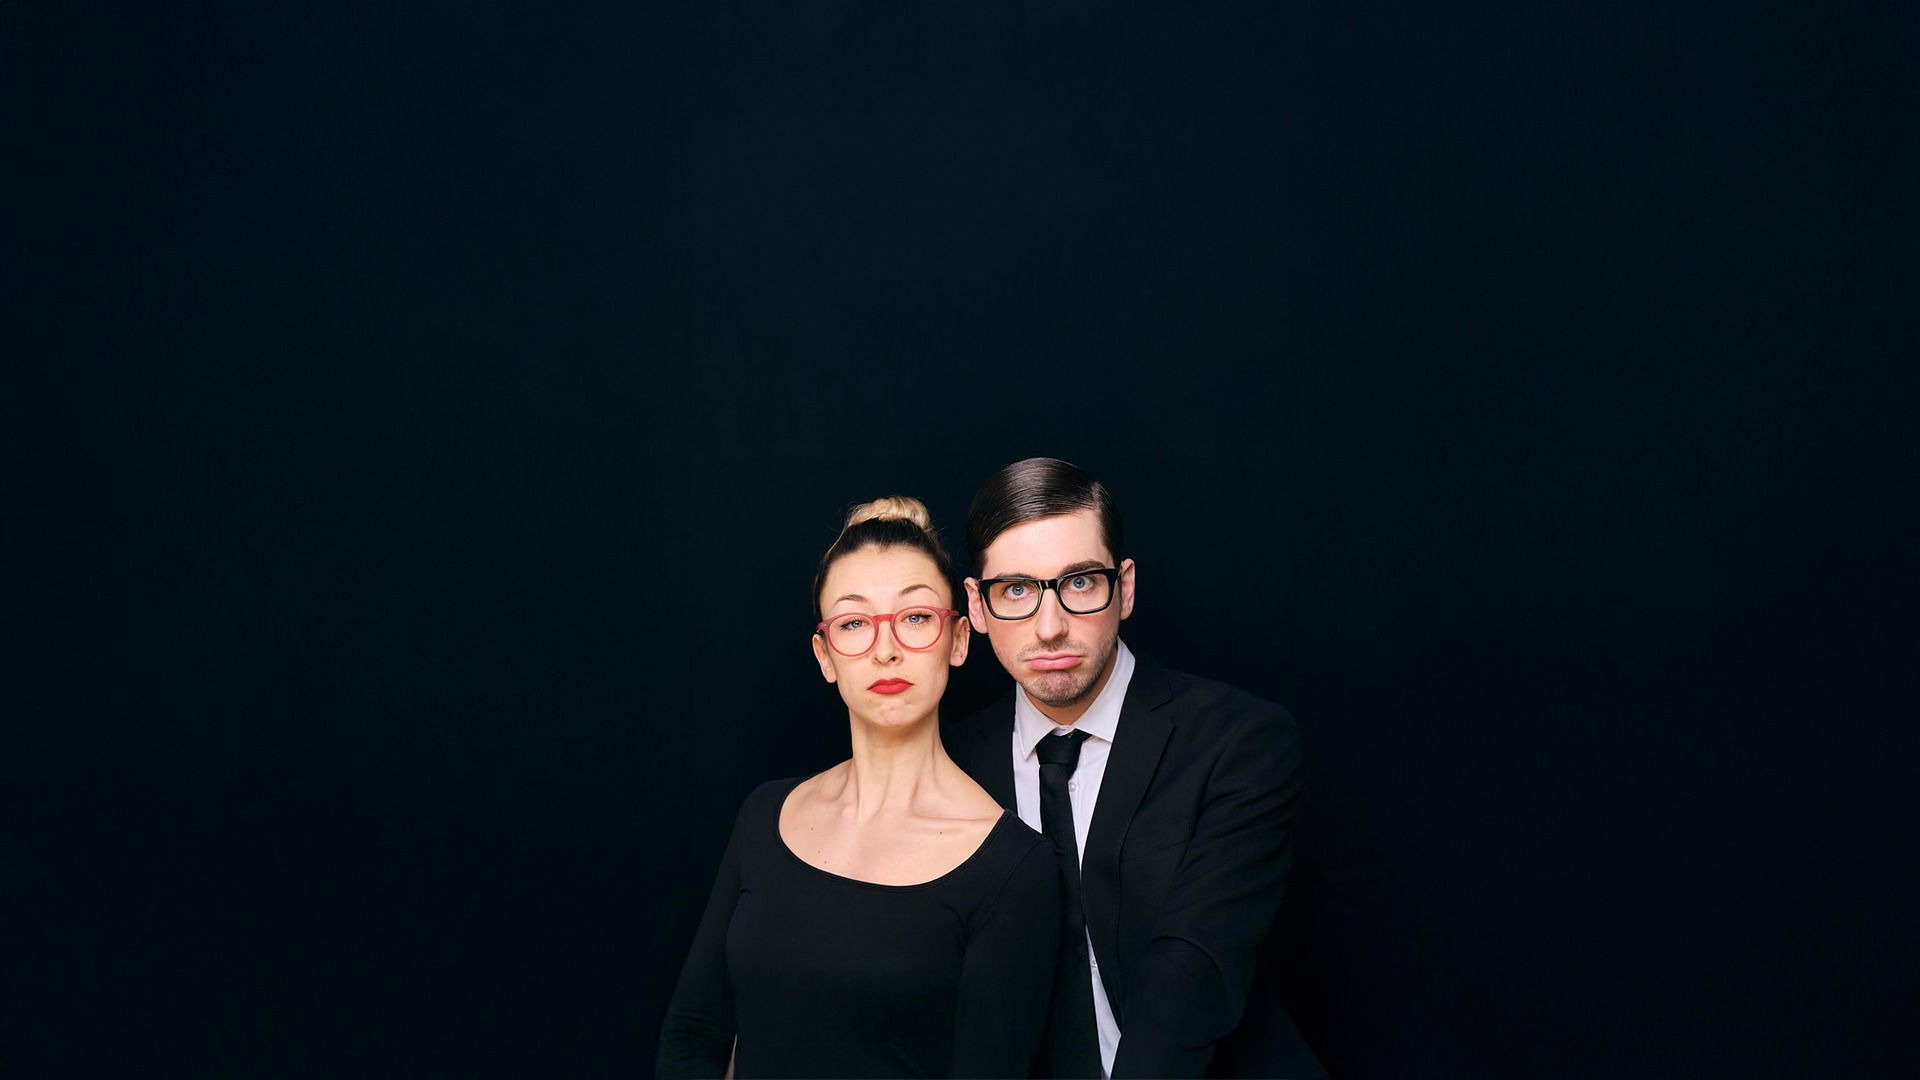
(1066, 689)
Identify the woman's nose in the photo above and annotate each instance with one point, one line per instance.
(885, 645)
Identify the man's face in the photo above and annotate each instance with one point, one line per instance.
(1060, 659)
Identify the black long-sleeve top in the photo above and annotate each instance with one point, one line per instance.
(822, 975)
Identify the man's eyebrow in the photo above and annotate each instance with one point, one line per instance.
(1084, 564)
(1072, 568)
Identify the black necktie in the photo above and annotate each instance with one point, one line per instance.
(1073, 1039)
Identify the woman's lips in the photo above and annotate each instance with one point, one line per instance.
(889, 686)
(1053, 661)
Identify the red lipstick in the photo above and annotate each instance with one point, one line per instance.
(889, 686)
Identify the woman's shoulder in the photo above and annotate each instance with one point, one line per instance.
(1016, 868)
(778, 789)
(765, 801)
(769, 800)
(775, 791)
(795, 789)
(1016, 835)
(1011, 847)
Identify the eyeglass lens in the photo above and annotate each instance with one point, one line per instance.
(856, 632)
(1081, 594)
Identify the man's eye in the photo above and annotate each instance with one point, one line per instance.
(1014, 590)
(1079, 582)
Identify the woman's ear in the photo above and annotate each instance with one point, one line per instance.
(962, 634)
(825, 661)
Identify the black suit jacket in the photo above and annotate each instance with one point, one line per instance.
(1185, 862)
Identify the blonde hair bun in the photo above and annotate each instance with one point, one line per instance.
(897, 522)
(892, 508)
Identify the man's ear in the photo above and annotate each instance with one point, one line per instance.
(976, 612)
(1126, 588)
(825, 661)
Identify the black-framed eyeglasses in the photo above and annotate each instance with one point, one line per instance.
(1081, 592)
(855, 633)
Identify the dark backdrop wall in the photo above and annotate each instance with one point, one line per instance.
(420, 427)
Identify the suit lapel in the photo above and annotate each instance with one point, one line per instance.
(1137, 742)
(985, 750)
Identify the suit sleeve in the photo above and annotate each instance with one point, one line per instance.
(1006, 976)
(1193, 981)
(696, 1040)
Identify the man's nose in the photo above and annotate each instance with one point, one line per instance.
(1051, 620)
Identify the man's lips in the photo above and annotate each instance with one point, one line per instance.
(889, 686)
(1053, 661)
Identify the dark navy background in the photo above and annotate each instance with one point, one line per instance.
(421, 421)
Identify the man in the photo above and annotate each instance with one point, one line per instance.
(1170, 797)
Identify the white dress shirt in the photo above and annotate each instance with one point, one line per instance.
(1100, 721)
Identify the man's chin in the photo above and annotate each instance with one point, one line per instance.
(1060, 690)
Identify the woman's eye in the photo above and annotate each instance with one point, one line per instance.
(848, 625)
(917, 618)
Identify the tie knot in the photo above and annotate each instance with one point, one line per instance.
(1061, 748)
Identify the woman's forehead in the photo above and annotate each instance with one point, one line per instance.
(877, 574)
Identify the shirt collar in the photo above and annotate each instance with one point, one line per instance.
(1101, 720)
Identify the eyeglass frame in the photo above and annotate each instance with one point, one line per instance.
(946, 615)
(1111, 573)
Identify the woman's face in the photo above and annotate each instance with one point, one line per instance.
(890, 684)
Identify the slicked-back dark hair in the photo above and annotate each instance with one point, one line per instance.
(1037, 488)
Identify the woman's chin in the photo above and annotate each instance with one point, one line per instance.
(900, 716)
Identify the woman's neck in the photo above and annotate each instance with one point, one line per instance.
(892, 766)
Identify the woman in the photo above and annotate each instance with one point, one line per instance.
(885, 917)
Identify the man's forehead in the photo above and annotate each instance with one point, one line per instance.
(1047, 546)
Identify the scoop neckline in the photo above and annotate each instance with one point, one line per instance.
(780, 806)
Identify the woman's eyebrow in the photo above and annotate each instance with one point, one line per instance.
(861, 599)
